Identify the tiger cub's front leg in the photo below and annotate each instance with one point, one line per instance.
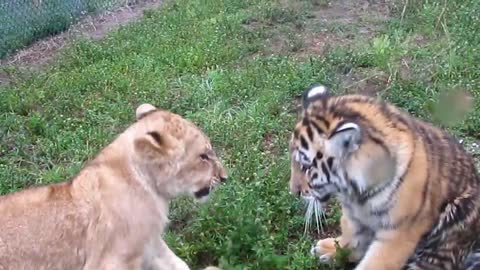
(326, 248)
(390, 250)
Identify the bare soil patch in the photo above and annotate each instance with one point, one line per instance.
(365, 81)
(95, 27)
(343, 22)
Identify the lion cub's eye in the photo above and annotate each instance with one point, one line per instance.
(204, 157)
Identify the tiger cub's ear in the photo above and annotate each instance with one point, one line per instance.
(344, 140)
(314, 93)
(155, 146)
(143, 110)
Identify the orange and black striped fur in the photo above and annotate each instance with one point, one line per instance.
(409, 192)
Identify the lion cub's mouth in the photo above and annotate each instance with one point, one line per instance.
(203, 192)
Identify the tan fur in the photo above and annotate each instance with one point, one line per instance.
(113, 213)
(429, 183)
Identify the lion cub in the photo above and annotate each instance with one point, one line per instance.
(112, 214)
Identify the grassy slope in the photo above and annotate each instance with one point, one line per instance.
(199, 59)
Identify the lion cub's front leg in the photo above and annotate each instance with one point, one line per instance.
(326, 248)
(159, 256)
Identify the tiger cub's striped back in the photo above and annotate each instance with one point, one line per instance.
(409, 192)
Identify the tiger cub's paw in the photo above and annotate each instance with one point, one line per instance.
(212, 268)
(325, 249)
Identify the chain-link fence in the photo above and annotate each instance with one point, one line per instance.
(23, 21)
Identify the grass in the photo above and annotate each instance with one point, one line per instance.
(212, 62)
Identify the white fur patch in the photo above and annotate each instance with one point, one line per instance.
(317, 90)
(347, 126)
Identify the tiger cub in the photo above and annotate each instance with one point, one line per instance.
(409, 192)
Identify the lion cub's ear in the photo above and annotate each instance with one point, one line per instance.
(144, 109)
(155, 146)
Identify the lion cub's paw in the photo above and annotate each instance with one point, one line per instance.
(325, 249)
(212, 268)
